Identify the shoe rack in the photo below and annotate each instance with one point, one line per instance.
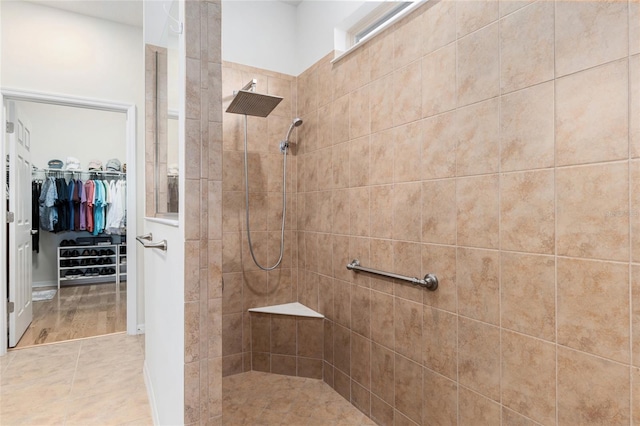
(92, 264)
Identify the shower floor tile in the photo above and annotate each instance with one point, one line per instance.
(256, 398)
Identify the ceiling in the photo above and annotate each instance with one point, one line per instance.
(128, 12)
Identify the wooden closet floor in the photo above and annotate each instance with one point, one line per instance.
(76, 312)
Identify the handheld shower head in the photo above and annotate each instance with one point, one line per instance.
(297, 122)
(284, 145)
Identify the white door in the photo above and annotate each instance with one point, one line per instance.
(20, 305)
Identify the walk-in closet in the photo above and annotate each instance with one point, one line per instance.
(77, 194)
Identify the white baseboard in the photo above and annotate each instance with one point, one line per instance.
(140, 329)
(150, 395)
(38, 284)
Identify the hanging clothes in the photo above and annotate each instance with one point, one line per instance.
(36, 189)
(96, 205)
(90, 189)
(47, 205)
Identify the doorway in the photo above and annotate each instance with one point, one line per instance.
(57, 320)
(79, 277)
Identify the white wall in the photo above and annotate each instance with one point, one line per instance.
(54, 51)
(315, 23)
(278, 36)
(261, 34)
(61, 131)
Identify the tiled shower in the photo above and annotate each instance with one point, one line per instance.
(495, 144)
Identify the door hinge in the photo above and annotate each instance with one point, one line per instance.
(10, 127)
(10, 307)
(10, 217)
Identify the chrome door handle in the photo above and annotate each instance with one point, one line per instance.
(142, 239)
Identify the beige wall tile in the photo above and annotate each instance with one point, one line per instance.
(407, 261)
(407, 41)
(635, 315)
(360, 312)
(528, 294)
(231, 334)
(283, 335)
(593, 307)
(340, 165)
(634, 214)
(407, 86)
(479, 357)
(592, 115)
(380, 52)
(591, 205)
(589, 34)
(527, 212)
(310, 338)
(440, 260)
(407, 158)
(514, 419)
(382, 373)
(407, 200)
(634, 104)
(635, 391)
(381, 97)
(340, 211)
(441, 400)
(359, 162)
(382, 211)
(478, 283)
(602, 396)
(526, 47)
(475, 409)
(307, 93)
(441, 18)
(408, 329)
(439, 211)
(529, 377)
(382, 321)
(382, 157)
(440, 342)
(473, 15)
(408, 388)
(359, 211)
(527, 128)
(359, 116)
(360, 398)
(478, 149)
(477, 216)
(340, 120)
(341, 348)
(381, 412)
(478, 66)
(361, 360)
(439, 81)
(439, 146)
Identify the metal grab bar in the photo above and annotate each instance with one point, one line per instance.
(430, 281)
(142, 239)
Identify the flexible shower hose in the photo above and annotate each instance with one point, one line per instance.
(284, 203)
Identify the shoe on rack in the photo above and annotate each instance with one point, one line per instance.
(111, 271)
(75, 253)
(110, 252)
(72, 242)
(94, 252)
(86, 253)
(64, 243)
(65, 253)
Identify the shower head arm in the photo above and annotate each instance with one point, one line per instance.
(250, 85)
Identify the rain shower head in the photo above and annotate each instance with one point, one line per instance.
(248, 102)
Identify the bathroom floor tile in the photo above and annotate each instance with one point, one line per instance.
(285, 400)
